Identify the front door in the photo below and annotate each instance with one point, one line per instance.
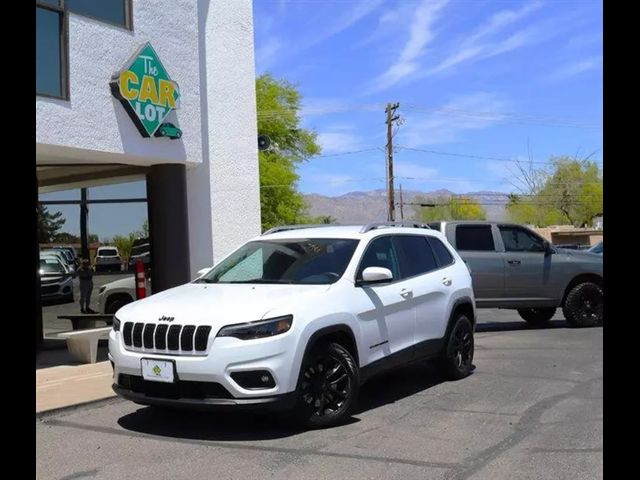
(385, 311)
(527, 265)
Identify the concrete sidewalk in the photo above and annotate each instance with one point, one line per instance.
(69, 385)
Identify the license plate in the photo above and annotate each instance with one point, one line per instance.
(157, 370)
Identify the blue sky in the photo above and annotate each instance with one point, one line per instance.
(494, 80)
(499, 79)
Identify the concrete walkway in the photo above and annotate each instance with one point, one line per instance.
(68, 385)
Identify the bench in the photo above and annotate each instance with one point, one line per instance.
(83, 344)
(86, 320)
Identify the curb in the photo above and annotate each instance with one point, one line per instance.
(54, 412)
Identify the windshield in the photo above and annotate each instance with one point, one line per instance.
(597, 248)
(306, 261)
(107, 252)
(51, 266)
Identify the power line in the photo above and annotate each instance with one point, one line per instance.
(479, 157)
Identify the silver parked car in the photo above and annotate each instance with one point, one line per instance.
(515, 268)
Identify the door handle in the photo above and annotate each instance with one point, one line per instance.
(514, 262)
(405, 292)
(447, 282)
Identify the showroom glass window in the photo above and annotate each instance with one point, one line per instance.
(52, 23)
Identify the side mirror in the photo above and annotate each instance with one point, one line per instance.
(376, 275)
(547, 247)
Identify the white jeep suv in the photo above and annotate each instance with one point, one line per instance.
(299, 318)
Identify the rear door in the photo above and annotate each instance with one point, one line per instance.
(430, 285)
(477, 246)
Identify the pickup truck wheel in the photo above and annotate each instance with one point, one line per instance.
(456, 361)
(328, 387)
(537, 316)
(583, 305)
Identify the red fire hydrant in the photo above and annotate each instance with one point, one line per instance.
(141, 290)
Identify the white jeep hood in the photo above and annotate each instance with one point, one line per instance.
(219, 304)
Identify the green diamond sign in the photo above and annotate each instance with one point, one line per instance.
(146, 91)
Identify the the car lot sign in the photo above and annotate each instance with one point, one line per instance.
(145, 90)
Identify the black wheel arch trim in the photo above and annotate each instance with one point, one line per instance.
(581, 278)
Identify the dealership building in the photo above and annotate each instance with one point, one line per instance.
(161, 91)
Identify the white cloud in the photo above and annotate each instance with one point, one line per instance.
(339, 140)
(267, 53)
(413, 171)
(575, 68)
(420, 35)
(476, 47)
(446, 124)
(352, 16)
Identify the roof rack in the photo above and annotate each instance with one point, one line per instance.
(372, 226)
(284, 228)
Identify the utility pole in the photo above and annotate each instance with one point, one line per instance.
(401, 204)
(391, 117)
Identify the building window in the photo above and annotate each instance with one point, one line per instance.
(117, 12)
(52, 73)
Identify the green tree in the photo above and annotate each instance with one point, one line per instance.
(124, 245)
(570, 193)
(278, 104)
(64, 237)
(321, 219)
(145, 228)
(454, 208)
(48, 224)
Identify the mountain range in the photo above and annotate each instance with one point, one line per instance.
(370, 206)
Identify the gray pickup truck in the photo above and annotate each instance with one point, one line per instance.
(513, 267)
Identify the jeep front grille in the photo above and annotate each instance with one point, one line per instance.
(166, 339)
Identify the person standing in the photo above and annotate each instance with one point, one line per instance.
(85, 275)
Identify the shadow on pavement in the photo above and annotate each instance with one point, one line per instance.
(249, 426)
(54, 354)
(513, 326)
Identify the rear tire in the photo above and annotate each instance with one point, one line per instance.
(456, 361)
(327, 388)
(583, 305)
(537, 316)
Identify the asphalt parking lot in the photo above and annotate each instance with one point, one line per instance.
(532, 409)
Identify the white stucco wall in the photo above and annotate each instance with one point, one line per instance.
(92, 125)
(230, 214)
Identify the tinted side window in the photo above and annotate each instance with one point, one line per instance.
(519, 240)
(380, 253)
(442, 253)
(474, 237)
(417, 256)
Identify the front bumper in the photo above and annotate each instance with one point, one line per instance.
(272, 403)
(224, 357)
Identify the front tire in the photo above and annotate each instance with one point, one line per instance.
(583, 305)
(328, 387)
(537, 316)
(456, 361)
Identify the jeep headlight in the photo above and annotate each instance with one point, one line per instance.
(260, 329)
(116, 324)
